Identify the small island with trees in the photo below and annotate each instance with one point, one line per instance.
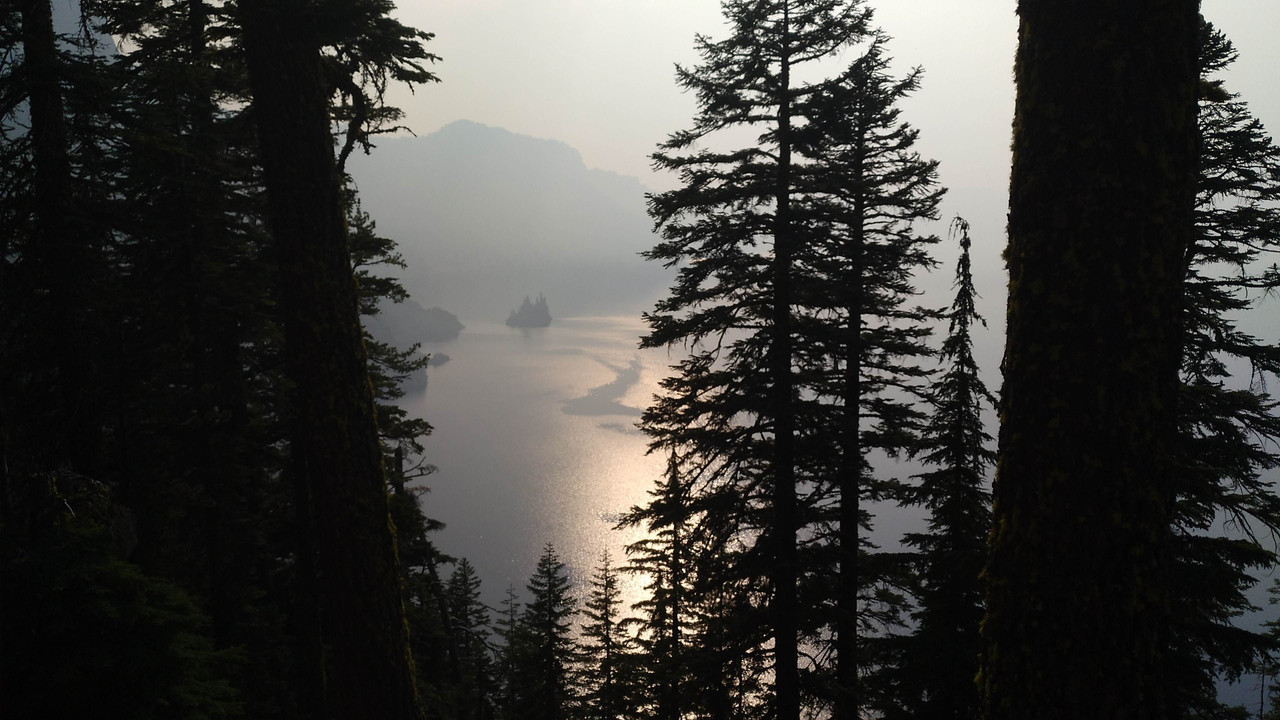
(530, 314)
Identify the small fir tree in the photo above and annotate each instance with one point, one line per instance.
(509, 655)
(471, 630)
(664, 626)
(604, 681)
(542, 644)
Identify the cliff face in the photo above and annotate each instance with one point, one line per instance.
(530, 314)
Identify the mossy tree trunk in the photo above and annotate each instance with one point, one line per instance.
(337, 456)
(1100, 215)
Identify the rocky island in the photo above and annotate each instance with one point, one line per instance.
(530, 314)
(405, 323)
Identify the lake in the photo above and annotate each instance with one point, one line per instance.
(535, 442)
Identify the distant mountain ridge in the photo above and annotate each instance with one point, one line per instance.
(477, 210)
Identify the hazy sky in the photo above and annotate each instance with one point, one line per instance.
(597, 74)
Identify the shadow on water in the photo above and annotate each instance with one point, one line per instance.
(604, 400)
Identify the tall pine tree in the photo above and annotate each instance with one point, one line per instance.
(785, 249)
(863, 195)
(940, 659)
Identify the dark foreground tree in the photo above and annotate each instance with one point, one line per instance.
(1100, 218)
(337, 458)
(137, 346)
(119, 642)
(49, 406)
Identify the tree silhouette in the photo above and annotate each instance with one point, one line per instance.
(772, 303)
(941, 656)
(541, 645)
(605, 682)
(1227, 432)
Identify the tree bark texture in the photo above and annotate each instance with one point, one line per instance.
(370, 673)
(1101, 201)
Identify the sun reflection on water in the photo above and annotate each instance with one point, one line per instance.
(535, 441)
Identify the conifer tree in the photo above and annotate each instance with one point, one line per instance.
(53, 264)
(88, 633)
(389, 366)
(664, 629)
(508, 629)
(774, 243)
(337, 454)
(471, 628)
(604, 681)
(193, 285)
(188, 392)
(185, 391)
(863, 198)
(941, 657)
(1227, 429)
(541, 644)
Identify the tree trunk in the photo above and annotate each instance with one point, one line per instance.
(58, 264)
(1101, 202)
(785, 609)
(847, 697)
(370, 672)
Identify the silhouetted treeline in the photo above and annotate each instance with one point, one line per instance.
(194, 502)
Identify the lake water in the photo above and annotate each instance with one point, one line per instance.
(535, 442)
